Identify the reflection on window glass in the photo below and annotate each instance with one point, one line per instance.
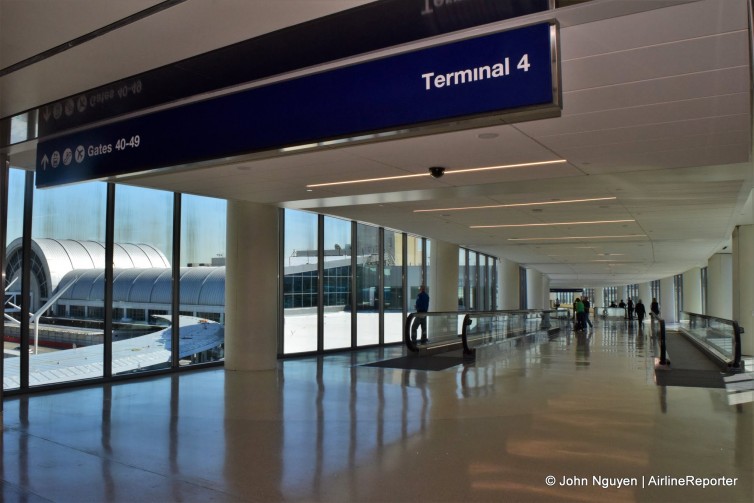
(367, 285)
(484, 296)
(300, 285)
(19, 129)
(393, 293)
(337, 283)
(202, 279)
(142, 279)
(462, 279)
(67, 265)
(12, 287)
(473, 301)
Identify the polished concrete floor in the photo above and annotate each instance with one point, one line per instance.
(582, 409)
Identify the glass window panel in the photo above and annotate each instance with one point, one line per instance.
(202, 279)
(367, 285)
(12, 286)
(300, 263)
(473, 291)
(337, 277)
(19, 129)
(414, 277)
(484, 294)
(462, 279)
(68, 223)
(142, 279)
(393, 283)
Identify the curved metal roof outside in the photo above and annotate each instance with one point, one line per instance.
(199, 286)
(61, 256)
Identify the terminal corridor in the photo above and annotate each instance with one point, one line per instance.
(570, 417)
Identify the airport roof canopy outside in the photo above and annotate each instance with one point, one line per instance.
(200, 286)
(52, 259)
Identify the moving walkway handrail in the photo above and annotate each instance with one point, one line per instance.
(409, 320)
(737, 331)
(663, 346)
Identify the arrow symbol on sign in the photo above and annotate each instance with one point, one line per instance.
(45, 162)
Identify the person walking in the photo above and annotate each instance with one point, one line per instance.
(587, 307)
(630, 308)
(655, 307)
(420, 318)
(578, 309)
(640, 311)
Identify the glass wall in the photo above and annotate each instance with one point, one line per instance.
(69, 252)
(337, 283)
(337, 275)
(300, 283)
(367, 285)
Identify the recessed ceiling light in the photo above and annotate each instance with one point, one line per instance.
(579, 237)
(550, 224)
(447, 172)
(515, 205)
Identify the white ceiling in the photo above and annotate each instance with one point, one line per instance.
(656, 113)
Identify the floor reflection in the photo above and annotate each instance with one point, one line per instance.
(332, 429)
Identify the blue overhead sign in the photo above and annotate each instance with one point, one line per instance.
(488, 75)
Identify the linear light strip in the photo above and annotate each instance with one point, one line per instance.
(514, 205)
(550, 224)
(578, 237)
(447, 172)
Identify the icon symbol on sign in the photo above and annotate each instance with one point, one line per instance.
(69, 107)
(81, 104)
(80, 154)
(67, 156)
(55, 159)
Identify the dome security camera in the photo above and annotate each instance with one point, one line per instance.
(436, 171)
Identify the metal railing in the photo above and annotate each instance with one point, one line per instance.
(448, 331)
(718, 337)
(657, 329)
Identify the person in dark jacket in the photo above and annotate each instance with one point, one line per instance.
(640, 311)
(587, 307)
(655, 307)
(420, 319)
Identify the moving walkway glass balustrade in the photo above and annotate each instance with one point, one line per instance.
(446, 329)
(719, 336)
(496, 326)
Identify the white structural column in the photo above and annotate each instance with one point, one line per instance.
(599, 298)
(508, 291)
(533, 289)
(443, 276)
(251, 287)
(743, 284)
(667, 300)
(720, 286)
(692, 291)
(545, 297)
